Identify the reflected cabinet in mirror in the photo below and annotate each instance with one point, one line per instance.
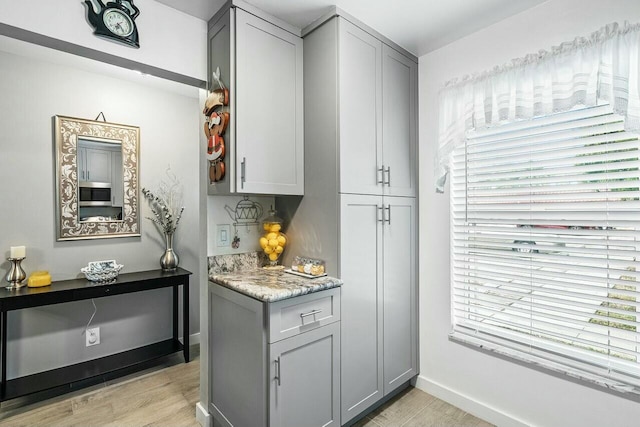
(96, 179)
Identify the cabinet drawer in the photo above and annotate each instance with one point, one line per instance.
(300, 314)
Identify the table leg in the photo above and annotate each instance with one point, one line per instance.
(185, 319)
(3, 354)
(175, 312)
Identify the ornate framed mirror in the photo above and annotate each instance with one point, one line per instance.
(96, 179)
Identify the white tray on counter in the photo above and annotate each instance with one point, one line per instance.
(308, 276)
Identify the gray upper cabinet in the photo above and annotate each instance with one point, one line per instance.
(262, 65)
(399, 123)
(94, 164)
(360, 71)
(117, 181)
(378, 116)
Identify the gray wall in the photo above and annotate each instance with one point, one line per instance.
(32, 91)
(218, 215)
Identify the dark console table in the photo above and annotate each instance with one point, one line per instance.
(82, 289)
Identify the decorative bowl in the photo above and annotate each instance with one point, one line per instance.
(95, 272)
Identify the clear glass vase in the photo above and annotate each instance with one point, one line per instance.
(273, 240)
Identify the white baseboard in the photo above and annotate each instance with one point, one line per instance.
(479, 409)
(202, 415)
(193, 338)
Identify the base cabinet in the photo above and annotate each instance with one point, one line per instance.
(379, 348)
(361, 363)
(266, 370)
(305, 390)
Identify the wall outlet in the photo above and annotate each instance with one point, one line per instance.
(92, 336)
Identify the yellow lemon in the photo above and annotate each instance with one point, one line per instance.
(282, 240)
(266, 226)
(279, 249)
(263, 242)
(272, 236)
(273, 243)
(275, 227)
(273, 256)
(268, 250)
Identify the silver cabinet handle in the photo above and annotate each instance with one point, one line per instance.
(380, 173)
(88, 175)
(311, 313)
(379, 214)
(388, 219)
(243, 166)
(277, 377)
(388, 181)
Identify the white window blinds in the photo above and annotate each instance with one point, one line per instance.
(545, 239)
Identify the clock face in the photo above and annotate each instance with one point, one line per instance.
(118, 22)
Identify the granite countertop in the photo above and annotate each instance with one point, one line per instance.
(270, 286)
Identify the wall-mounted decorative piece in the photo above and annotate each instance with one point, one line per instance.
(96, 179)
(114, 21)
(215, 125)
(246, 213)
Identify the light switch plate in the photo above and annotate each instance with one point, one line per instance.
(223, 235)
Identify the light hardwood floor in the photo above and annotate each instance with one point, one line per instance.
(167, 394)
(415, 408)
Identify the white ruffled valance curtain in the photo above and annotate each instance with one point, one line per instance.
(603, 68)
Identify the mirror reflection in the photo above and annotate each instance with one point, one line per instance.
(100, 183)
(96, 179)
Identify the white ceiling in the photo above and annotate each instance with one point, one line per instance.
(420, 26)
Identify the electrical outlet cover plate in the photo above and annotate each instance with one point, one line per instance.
(92, 336)
(223, 235)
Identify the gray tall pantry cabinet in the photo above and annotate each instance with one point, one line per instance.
(359, 212)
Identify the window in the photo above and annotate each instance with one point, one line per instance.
(545, 240)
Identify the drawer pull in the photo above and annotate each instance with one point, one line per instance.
(311, 313)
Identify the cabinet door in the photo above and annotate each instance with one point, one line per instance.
(399, 253)
(361, 303)
(98, 165)
(399, 118)
(117, 181)
(269, 109)
(82, 163)
(304, 388)
(360, 71)
(221, 38)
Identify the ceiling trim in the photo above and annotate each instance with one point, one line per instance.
(336, 11)
(75, 49)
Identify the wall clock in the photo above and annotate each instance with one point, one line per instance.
(114, 20)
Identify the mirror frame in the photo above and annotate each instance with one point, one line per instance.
(67, 132)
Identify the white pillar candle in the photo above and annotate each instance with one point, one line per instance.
(18, 252)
